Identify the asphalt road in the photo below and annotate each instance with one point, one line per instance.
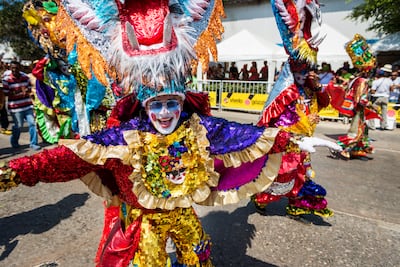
(60, 224)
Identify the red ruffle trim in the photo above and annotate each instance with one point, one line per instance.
(125, 109)
(277, 107)
(323, 99)
(110, 216)
(38, 70)
(121, 174)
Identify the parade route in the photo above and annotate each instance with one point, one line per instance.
(60, 224)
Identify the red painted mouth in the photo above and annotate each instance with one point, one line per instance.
(146, 27)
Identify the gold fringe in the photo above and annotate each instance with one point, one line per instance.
(303, 126)
(94, 153)
(89, 58)
(206, 44)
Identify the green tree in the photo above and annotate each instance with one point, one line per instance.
(13, 30)
(383, 16)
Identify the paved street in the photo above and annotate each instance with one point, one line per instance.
(60, 224)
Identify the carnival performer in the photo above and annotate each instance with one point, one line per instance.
(354, 103)
(293, 106)
(68, 103)
(162, 152)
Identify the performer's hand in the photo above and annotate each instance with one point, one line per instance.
(8, 177)
(312, 81)
(314, 118)
(309, 143)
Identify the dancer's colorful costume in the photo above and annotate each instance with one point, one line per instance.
(354, 103)
(293, 106)
(163, 151)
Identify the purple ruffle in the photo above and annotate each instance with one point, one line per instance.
(226, 136)
(288, 117)
(45, 93)
(114, 136)
(233, 178)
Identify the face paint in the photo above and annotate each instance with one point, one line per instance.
(164, 114)
(300, 77)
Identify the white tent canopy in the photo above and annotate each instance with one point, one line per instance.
(259, 39)
(332, 49)
(245, 46)
(390, 42)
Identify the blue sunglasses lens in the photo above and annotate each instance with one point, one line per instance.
(172, 104)
(157, 106)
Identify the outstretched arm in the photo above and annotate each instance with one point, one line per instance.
(59, 164)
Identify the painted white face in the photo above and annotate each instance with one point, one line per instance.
(300, 77)
(164, 112)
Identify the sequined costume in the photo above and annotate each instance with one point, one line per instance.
(293, 106)
(133, 162)
(162, 151)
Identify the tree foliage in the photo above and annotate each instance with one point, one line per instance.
(383, 16)
(13, 30)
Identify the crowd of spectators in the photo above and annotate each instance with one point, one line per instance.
(384, 80)
(219, 72)
(340, 77)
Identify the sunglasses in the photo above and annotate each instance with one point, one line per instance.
(170, 105)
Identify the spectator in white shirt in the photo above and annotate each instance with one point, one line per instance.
(395, 87)
(381, 90)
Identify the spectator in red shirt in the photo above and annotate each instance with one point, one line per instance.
(264, 72)
(253, 72)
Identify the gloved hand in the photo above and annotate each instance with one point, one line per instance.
(309, 143)
(8, 177)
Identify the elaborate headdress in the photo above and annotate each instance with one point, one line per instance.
(294, 19)
(140, 44)
(360, 53)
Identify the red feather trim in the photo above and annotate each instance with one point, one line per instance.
(275, 109)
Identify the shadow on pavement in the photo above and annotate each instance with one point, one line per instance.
(335, 136)
(9, 152)
(36, 221)
(278, 208)
(231, 238)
